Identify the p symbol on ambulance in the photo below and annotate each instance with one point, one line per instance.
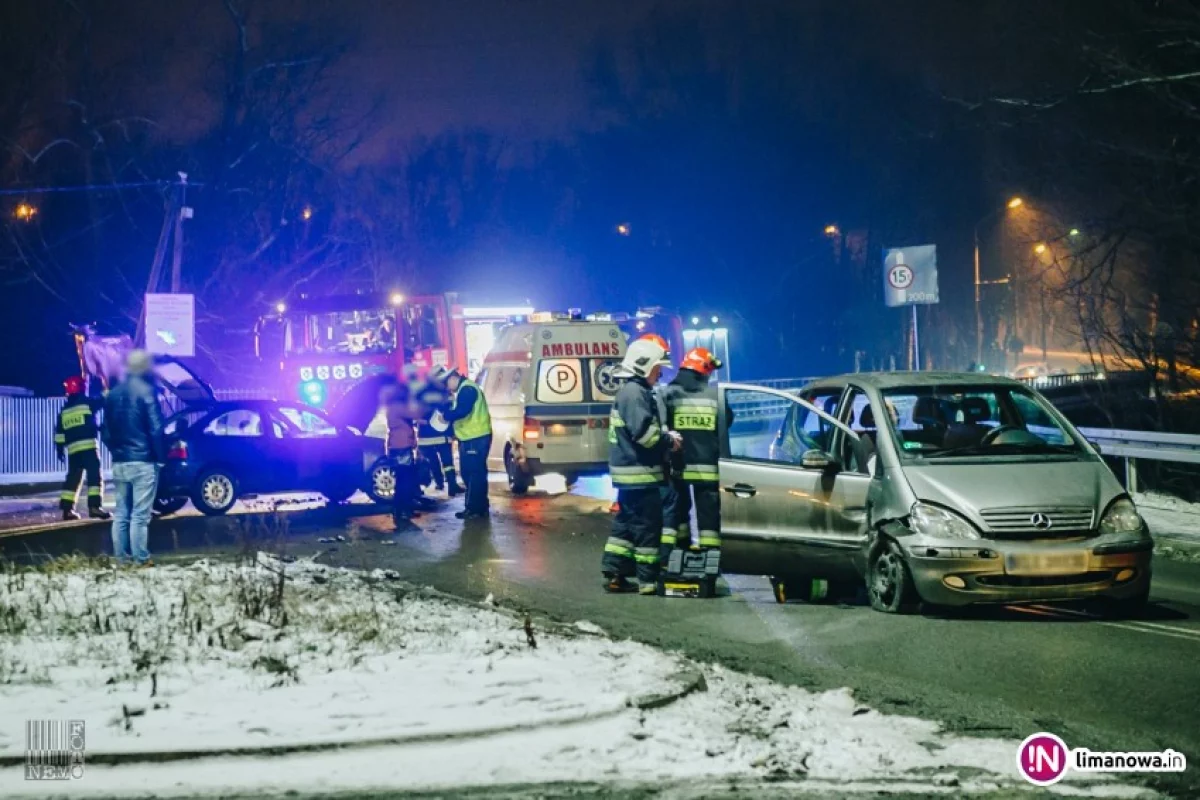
(562, 379)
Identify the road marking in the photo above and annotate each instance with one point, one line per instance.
(1175, 631)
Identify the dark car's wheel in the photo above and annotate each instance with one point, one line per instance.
(339, 491)
(381, 482)
(889, 583)
(164, 506)
(518, 480)
(216, 491)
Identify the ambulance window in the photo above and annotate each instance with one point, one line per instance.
(604, 385)
(560, 380)
(513, 386)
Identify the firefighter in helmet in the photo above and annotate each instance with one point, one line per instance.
(638, 445)
(692, 411)
(77, 439)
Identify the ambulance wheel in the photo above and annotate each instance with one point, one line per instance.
(518, 480)
(779, 589)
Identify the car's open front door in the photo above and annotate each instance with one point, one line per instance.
(785, 504)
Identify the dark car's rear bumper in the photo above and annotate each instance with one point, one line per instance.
(176, 479)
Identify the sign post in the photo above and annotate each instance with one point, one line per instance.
(910, 279)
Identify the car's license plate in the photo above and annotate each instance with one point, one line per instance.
(1069, 563)
(559, 429)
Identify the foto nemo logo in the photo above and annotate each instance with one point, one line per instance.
(1042, 759)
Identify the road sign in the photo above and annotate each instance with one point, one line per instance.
(171, 324)
(910, 275)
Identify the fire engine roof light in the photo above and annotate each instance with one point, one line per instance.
(497, 311)
(715, 319)
(695, 320)
(396, 299)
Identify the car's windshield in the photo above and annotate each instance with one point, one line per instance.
(974, 420)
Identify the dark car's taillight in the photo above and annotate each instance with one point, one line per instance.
(178, 451)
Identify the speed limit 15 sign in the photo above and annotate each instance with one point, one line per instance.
(910, 275)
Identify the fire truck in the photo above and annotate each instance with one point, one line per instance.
(335, 351)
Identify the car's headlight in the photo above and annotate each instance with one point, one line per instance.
(940, 523)
(1122, 517)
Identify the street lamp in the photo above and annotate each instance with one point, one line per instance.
(831, 230)
(1039, 248)
(1073, 232)
(623, 229)
(1014, 202)
(25, 212)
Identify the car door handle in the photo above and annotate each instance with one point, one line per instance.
(742, 490)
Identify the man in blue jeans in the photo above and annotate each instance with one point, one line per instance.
(133, 433)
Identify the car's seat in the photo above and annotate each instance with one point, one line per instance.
(865, 448)
(969, 432)
(931, 417)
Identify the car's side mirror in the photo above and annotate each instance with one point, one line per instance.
(818, 460)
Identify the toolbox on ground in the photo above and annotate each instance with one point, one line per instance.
(690, 573)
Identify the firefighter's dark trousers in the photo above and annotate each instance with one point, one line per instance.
(633, 546)
(705, 496)
(78, 465)
(441, 463)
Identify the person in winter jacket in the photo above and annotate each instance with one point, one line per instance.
(638, 445)
(692, 411)
(401, 414)
(77, 441)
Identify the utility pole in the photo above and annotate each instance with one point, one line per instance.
(183, 212)
(978, 308)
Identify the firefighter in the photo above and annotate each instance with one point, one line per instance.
(438, 453)
(692, 411)
(638, 446)
(77, 438)
(468, 413)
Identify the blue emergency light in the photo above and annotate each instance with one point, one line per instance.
(313, 393)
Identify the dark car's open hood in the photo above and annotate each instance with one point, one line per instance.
(179, 385)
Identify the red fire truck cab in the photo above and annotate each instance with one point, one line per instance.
(335, 351)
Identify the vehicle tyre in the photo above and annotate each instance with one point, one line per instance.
(889, 583)
(215, 493)
(381, 482)
(337, 493)
(165, 506)
(518, 480)
(1127, 607)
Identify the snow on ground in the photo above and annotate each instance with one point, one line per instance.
(1174, 523)
(425, 692)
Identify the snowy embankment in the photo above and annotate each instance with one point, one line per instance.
(218, 678)
(1174, 523)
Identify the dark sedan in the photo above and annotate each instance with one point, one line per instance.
(223, 451)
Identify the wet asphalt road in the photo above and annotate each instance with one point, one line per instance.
(1129, 685)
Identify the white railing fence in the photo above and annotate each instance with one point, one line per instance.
(27, 436)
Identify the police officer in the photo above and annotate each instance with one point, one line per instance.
(77, 437)
(637, 449)
(438, 453)
(472, 424)
(692, 411)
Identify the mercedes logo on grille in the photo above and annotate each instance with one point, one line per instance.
(1040, 521)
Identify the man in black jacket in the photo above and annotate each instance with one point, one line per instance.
(133, 432)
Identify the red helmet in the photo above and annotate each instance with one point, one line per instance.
(700, 360)
(74, 385)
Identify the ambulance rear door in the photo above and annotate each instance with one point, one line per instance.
(573, 391)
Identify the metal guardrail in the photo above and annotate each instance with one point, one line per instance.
(1180, 448)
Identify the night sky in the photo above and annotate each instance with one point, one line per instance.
(493, 147)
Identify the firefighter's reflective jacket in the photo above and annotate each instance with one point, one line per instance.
(76, 430)
(635, 437)
(692, 412)
(429, 436)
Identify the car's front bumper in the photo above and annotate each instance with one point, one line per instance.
(961, 572)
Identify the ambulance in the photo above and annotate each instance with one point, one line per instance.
(550, 384)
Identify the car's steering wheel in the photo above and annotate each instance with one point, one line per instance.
(994, 434)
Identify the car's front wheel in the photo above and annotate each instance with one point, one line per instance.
(1127, 607)
(216, 491)
(164, 506)
(889, 583)
(381, 482)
